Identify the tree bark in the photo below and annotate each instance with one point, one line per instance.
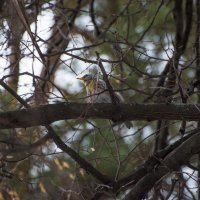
(47, 114)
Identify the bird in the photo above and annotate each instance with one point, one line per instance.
(97, 92)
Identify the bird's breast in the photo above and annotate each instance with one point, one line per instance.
(91, 87)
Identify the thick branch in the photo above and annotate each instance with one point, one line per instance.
(149, 166)
(52, 134)
(47, 114)
(171, 163)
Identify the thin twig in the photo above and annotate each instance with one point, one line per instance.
(92, 15)
(105, 77)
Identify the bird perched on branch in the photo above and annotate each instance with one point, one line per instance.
(97, 92)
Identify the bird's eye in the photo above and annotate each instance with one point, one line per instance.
(87, 77)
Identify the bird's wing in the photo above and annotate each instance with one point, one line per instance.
(101, 85)
(102, 88)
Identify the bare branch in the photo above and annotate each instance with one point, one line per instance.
(171, 163)
(47, 114)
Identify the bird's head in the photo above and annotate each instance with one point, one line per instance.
(87, 78)
(89, 81)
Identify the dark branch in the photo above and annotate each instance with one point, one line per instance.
(47, 114)
(73, 154)
(172, 162)
(92, 15)
(51, 133)
(105, 78)
(149, 166)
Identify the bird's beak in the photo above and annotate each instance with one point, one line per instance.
(80, 78)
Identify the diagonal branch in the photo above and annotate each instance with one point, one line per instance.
(22, 15)
(141, 171)
(52, 134)
(73, 154)
(110, 89)
(172, 162)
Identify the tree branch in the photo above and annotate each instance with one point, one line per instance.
(51, 134)
(171, 163)
(74, 155)
(141, 171)
(47, 114)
